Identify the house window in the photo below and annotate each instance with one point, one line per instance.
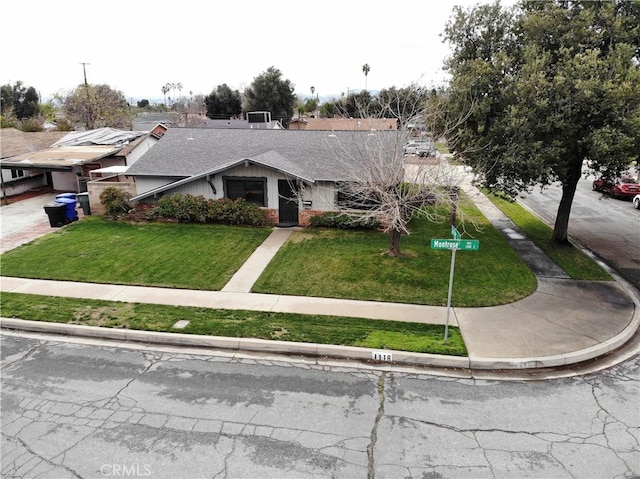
(17, 174)
(252, 189)
(351, 198)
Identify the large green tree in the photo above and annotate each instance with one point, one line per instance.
(554, 85)
(19, 100)
(223, 103)
(96, 106)
(269, 92)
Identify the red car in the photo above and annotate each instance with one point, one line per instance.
(624, 187)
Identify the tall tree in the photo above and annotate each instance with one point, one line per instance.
(22, 101)
(366, 69)
(96, 106)
(223, 102)
(165, 89)
(556, 84)
(269, 92)
(359, 105)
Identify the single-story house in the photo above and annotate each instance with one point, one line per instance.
(66, 164)
(13, 143)
(291, 174)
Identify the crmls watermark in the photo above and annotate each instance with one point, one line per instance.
(126, 470)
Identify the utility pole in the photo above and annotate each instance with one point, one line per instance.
(84, 70)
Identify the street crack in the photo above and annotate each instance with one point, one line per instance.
(374, 431)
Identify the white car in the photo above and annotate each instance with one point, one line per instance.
(420, 148)
(411, 149)
(636, 202)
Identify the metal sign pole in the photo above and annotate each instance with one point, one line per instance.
(453, 265)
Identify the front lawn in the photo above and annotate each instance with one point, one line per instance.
(191, 256)
(352, 264)
(314, 262)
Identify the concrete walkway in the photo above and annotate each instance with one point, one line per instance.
(564, 322)
(250, 271)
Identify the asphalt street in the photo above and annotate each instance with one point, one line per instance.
(608, 227)
(97, 411)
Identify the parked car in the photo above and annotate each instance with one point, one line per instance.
(420, 148)
(636, 202)
(623, 187)
(411, 149)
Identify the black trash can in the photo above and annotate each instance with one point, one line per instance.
(83, 200)
(57, 213)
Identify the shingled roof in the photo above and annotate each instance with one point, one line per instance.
(309, 155)
(14, 142)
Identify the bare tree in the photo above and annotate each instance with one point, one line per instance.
(384, 183)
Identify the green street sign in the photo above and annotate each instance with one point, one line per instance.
(457, 244)
(455, 233)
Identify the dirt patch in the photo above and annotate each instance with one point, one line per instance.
(104, 316)
(300, 236)
(278, 334)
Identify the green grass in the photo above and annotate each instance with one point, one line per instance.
(352, 264)
(571, 259)
(330, 263)
(191, 256)
(442, 148)
(377, 334)
(314, 262)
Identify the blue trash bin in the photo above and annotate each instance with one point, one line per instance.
(66, 195)
(70, 203)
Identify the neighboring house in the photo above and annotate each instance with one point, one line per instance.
(291, 174)
(343, 124)
(13, 143)
(260, 120)
(66, 164)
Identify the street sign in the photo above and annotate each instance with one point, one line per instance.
(456, 244)
(453, 245)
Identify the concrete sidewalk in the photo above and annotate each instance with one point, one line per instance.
(564, 322)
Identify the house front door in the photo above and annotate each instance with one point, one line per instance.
(287, 203)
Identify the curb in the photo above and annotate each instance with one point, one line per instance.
(312, 350)
(324, 351)
(574, 357)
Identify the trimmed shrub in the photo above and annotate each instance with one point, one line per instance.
(115, 201)
(334, 219)
(198, 209)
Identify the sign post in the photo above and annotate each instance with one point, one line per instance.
(454, 245)
(453, 265)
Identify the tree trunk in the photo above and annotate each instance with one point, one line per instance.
(394, 243)
(453, 196)
(561, 227)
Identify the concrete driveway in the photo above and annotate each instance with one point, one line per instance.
(24, 221)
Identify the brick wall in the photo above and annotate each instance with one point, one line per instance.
(305, 215)
(273, 215)
(95, 188)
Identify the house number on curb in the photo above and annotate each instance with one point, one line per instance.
(454, 245)
(380, 356)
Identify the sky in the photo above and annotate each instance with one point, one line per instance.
(137, 46)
